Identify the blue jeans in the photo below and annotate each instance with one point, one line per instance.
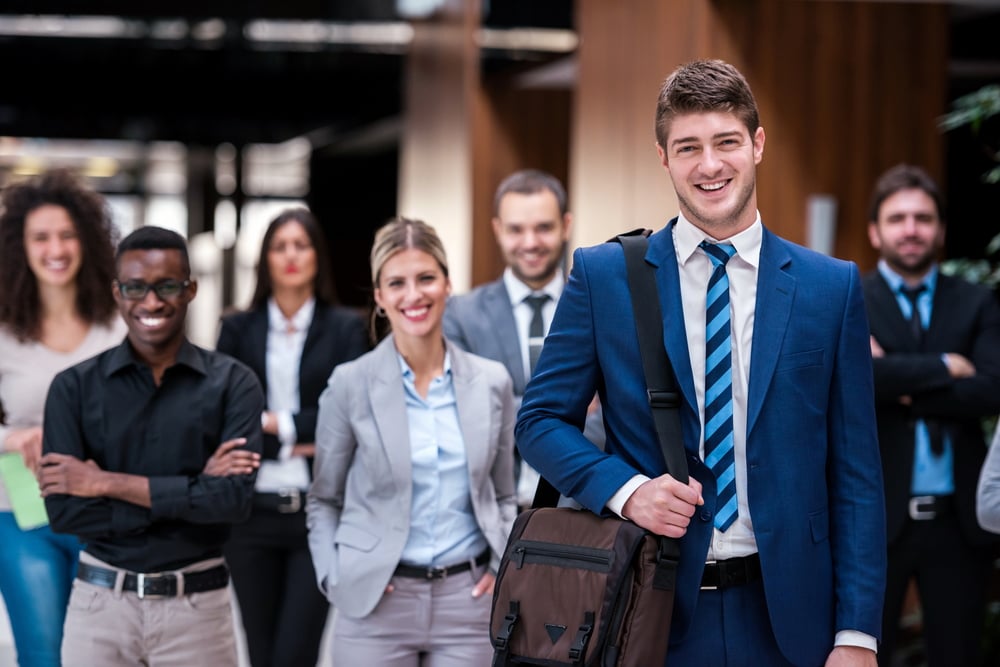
(37, 568)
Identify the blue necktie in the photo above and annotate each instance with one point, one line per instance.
(719, 454)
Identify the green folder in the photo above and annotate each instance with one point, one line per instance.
(22, 489)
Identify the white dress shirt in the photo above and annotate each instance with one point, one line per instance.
(285, 339)
(523, 312)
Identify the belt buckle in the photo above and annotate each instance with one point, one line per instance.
(141, 579)
(436, 573)
(918, 514)
(294, 497)
(709, 588)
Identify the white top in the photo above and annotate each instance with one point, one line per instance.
(285, 339)
(27, 369)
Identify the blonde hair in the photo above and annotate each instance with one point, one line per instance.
(401, 234)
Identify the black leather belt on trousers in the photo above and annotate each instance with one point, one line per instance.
(431, 573)
(160, 585)
(925, 508)
(284, 501)
(720, 574)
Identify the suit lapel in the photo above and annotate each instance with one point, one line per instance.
(258, 344)
(886, 320)
(663, 256)
(501, 317)
(775, 295)
(388, 406)
(472, 400)
(313, 336)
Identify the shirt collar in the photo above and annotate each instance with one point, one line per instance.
(517, 290)
(896, 281)
(747, 243)
(408, 373)
(124, 356)
(299, 320)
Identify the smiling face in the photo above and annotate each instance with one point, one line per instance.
(712, 160)
(531, 234)
(291, 258)
(155, 325)
(52, 246)
(908, 232)
(412, 289)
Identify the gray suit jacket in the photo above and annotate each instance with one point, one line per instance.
(482, 322)
(359, 502)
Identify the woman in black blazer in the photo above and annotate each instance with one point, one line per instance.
(292, 336)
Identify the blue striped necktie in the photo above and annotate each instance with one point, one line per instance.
(719, 455)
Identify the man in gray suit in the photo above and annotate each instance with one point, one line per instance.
(495, 320)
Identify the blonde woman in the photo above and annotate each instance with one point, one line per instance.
(413, 494)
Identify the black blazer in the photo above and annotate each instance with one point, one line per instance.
(335, 335)
(965, 318)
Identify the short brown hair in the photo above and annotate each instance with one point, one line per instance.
(703, 86)
(904, 177)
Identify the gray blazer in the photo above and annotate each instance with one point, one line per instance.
(482, 321)
(988, 490)
(358, 506)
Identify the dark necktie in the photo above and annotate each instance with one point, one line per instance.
(719, 454)
(916, 324)
(536, 330)
(912, 294)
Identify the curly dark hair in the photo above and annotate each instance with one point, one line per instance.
(20, 306)
(323, 288)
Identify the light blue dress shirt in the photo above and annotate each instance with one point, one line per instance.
(932, 475)
(443, 528)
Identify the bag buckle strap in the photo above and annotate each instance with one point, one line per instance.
(579, 644)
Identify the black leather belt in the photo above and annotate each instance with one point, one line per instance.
(720, 574)
(163, 585)
(285, 501)
(925, 508)
(431, 573)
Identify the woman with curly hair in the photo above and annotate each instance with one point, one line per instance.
(56, 309)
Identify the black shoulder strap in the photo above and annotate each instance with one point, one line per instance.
(661, 385)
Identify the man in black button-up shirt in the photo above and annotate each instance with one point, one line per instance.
(127, 436)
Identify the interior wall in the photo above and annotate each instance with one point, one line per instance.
(845, 90)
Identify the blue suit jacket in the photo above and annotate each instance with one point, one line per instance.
(814, 477)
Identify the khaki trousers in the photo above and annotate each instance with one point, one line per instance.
(110, 627)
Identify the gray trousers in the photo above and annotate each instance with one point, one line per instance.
(420, 624)
(110, 627)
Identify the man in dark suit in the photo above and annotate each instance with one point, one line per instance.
(781, 524)
(935, 343)
(531, 224)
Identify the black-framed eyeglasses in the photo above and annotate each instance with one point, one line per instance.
(136, 290)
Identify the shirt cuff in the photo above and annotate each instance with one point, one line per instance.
(617, 501)
(855, 638)
(286, 434)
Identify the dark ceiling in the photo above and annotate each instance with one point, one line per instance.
(210, 91)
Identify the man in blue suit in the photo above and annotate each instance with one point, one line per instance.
(782, 523)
